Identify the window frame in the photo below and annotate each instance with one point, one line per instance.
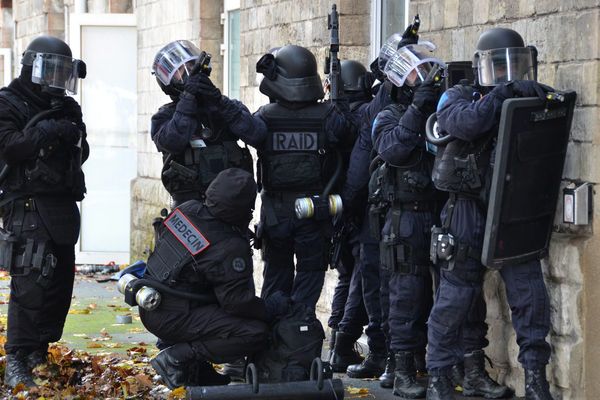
(228, 6)
(376, 25)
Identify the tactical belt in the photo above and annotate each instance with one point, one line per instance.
(288, 200)
(419, 206)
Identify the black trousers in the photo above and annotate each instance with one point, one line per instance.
(214, 335)
(37, 309)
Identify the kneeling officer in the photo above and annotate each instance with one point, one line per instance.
(203, 249)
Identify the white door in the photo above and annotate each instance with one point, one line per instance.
(108, 97)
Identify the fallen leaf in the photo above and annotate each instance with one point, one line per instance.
(355, 390)
(92, 306)
(94, 345)
(178, 393)
(82, 311)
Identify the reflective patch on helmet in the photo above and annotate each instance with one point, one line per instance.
(189, 236)
(238, 264)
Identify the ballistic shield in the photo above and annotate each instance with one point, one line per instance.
(530, 154)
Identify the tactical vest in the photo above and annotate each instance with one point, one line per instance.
(182, 238)
(56, 169)
(462, 167)
(296, 156)
(409, 182)
(188, 174)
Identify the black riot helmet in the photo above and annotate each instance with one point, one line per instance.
(501, 56)
(290, 75)
(173, 64)
(357, 81)
(48, 62)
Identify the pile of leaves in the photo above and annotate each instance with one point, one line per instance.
(78, 375)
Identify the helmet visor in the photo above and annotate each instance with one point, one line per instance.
(412, 64)
(55, 71)
(174, 62)
(389, 49)
(504, 65)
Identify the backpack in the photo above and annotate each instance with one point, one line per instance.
(296, 340)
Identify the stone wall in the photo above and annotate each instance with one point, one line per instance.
(33, 18)
(566, 35)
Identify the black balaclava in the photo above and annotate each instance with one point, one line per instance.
(231, 195)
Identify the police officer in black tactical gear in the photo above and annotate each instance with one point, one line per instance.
(296, 137)
(42, 146)
(357, 82)
(364, 284)
(195, 143)
(470, 114)
(203, 249)
(402, 184)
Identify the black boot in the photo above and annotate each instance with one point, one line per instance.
(536, 385)
(344, 353)
(371, 367)
(17, 370)
(386, 380)
(405, 377)
(172, 364)
(202, 373)
(37, 357)
(457, 376)
(420, 364)
(440, 388)
(478, 383)
(236, 370)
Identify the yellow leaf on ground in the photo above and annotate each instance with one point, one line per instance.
(83, 311)
(94, 345)
(354, 390)
(178, 393)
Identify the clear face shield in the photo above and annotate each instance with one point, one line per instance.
(412, 64)
(504, 65)
(57, 71)
(389, 49)
(174, 62)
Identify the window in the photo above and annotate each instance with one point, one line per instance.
(5, 66)
(387, 17)
(231, 49)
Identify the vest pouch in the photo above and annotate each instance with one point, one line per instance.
(294, 171)
(238, 157)
(8, 242)
(210, 161)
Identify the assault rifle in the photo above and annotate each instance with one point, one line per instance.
(332, 64)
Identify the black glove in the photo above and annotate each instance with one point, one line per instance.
(530, 89)
(208, 90)
(277, 304)
(379, 75)
(52, 130)
(522, 88)
(192, 84)
(425, 97)
(72, 110)
(70, 133)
